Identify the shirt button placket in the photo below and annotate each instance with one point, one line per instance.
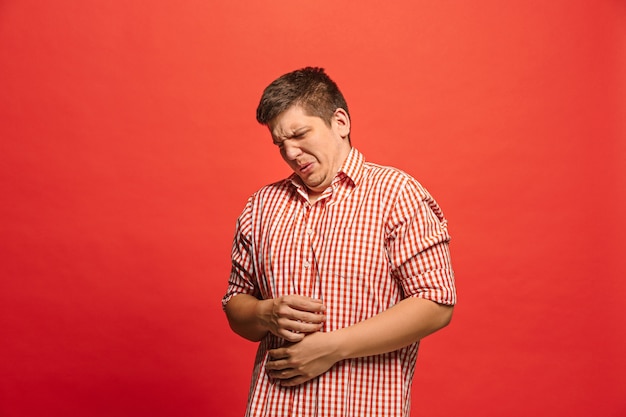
(306, 251)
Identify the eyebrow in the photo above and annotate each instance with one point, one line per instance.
(295, 132)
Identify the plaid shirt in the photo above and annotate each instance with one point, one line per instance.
(374, 237)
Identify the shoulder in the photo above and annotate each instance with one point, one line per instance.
(277, 190)
(269, 197)
(392, 179)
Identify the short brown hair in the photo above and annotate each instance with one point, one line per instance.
(308, 87)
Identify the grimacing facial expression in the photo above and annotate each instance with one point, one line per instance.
(314, 150)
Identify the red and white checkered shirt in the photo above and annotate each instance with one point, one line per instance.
(374, 237)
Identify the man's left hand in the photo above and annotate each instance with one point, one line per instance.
(296, 363)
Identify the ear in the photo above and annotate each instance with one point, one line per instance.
(342, 121)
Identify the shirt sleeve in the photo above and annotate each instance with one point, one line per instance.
(242, 277)
(418, 246)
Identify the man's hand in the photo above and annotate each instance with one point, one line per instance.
(292, 316)
(296, 363)
(406, 322)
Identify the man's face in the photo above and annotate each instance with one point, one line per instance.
(313, 150)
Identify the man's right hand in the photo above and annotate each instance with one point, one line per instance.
(292, 316)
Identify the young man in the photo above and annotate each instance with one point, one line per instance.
(339, 270)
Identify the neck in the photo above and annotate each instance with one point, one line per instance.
(313, 195)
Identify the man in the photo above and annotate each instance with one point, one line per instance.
(339, 270)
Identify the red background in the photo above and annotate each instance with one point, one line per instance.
(129, 146)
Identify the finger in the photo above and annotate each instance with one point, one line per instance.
(297, 298)
(283, 314)
(299, 322)
(291, 336)
(284, 374)
(294, 330)
(278, 365)
(276, 354)
(292, 382)
(304, 327)
(307, 304)
(307, 317)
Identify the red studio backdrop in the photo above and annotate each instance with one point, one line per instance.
(129, 147)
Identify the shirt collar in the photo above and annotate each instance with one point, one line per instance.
(353, 166)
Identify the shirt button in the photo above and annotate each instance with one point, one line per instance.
(307, 264)
(309, 232)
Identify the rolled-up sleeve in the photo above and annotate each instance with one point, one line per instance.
(242, 278)
(418, 246)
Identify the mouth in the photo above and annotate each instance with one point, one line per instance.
(305, 168)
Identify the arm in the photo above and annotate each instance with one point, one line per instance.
(290, 317)
(407, 322)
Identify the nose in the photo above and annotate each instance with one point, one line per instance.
(291, 150)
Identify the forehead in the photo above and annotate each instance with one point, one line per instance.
(292, 120)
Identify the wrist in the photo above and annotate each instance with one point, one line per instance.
(341, 345)
(262, 313)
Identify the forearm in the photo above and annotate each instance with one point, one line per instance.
(407, 322)
(243, 316)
